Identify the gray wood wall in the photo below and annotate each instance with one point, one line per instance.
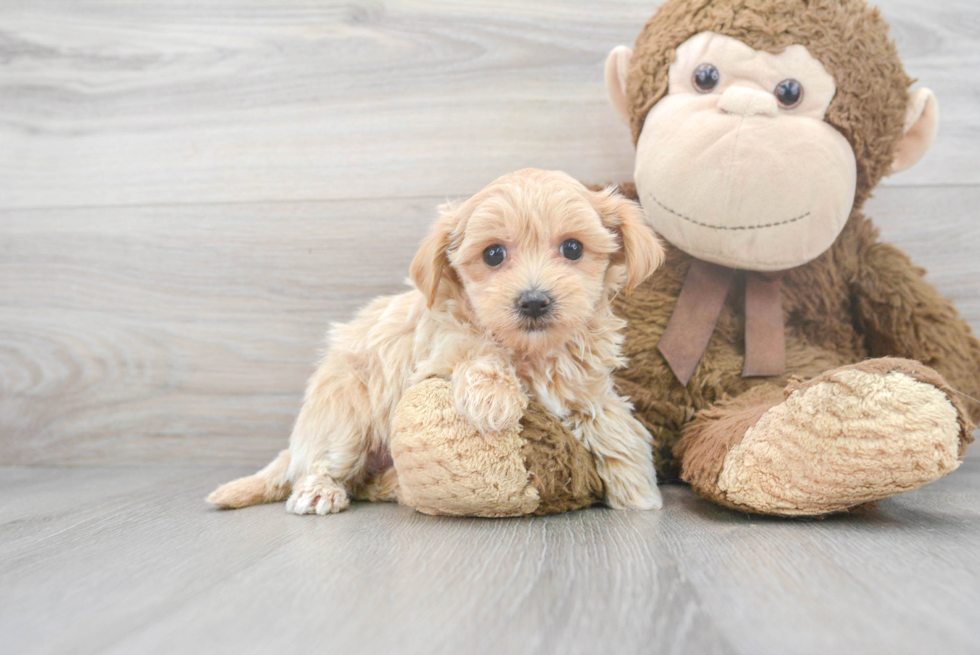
(191, 191)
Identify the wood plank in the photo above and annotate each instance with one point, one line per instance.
(125, 560)
(115, 103)
(186, 333)
(154, 326)
(881, 582)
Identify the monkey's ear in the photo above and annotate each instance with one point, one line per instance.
(921, 123)
(431, 263)
(641, 249)
(617, 67)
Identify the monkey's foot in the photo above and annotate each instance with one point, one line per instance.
(851, 436)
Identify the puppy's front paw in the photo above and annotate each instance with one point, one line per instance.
(630, 487)
(635, 499)
(488, 395)
(317, 495)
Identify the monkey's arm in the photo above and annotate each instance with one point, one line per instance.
(902, 315)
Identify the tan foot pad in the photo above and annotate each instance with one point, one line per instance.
(849, 437)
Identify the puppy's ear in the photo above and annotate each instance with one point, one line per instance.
(431, 263)
(640, 249)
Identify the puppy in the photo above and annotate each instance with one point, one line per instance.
(512, 297)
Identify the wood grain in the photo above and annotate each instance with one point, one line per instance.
(186, 333)
(130, 560)
(155, 326)
(121, 103)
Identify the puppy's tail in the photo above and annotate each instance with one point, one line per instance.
(269, 485)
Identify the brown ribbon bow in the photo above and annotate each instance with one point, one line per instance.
(696, 314)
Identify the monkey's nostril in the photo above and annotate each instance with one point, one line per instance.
(533, 304)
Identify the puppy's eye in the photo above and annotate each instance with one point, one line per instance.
(789, 93)
(572, 249)
(494, 255)
(706, 78)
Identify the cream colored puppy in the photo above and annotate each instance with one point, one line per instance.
(512, 297)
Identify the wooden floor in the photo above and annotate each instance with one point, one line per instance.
(129, 560)
(191, 191)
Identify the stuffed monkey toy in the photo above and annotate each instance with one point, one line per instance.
(785, 361)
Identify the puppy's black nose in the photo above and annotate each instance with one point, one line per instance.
(534, 303)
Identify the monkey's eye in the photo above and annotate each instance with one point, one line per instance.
(494, 255)
(571, 249)
(706, 78)
(789, 93)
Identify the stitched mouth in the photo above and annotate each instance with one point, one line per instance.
(761, 226)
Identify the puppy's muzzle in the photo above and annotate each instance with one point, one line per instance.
(534, 304)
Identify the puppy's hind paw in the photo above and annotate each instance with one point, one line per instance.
(317, 495)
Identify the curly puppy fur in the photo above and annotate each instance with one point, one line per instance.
(462, 322)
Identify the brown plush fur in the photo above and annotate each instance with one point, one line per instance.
(869, 108)
(860, 299)
(559, 467)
